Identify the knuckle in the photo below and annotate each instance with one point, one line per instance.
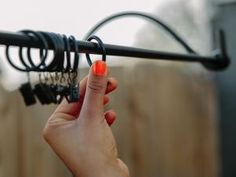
(49, 133)
(96, 86)
(46, 134)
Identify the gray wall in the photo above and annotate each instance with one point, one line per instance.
(226, 81)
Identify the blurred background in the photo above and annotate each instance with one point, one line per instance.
(174, 119)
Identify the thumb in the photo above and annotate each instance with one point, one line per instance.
(95, 91)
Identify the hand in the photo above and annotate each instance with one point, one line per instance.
(79, 133)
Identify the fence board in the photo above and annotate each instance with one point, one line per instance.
(166, 127)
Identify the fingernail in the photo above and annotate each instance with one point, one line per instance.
(99, 68)
(110, 121)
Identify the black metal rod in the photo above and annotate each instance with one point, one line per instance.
(19, 39)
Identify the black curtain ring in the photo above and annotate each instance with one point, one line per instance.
(101, 45)
(76, 53)
(10, 61)
(67, 51)
(28, 67)
(61, 52)
(43, 52)
(53, 65)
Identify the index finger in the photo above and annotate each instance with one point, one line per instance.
(71, 111)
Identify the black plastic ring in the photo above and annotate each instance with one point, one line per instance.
(43, 55)
(27, 67)
(101, 45)
(61, 52)
(76, 53)
(53, 65)
(10, 61)
(67, 51)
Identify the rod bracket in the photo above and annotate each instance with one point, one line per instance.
(222, 60)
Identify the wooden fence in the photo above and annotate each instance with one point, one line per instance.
(166, 127)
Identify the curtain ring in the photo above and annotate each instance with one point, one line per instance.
(58, 48)
(76, 53)
(43, 55)
(43, 52)
(101, 45)
(67, 51)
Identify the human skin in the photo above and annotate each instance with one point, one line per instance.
(80, 133)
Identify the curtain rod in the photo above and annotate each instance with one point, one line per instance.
(218, 61)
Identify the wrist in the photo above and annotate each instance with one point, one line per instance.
(110, 169)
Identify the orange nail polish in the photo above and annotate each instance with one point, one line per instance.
(99, 68)
(110, 121)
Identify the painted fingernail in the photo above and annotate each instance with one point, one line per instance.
(110, 121)
(99, 68)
